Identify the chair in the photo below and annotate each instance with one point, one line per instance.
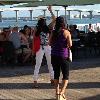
(98, 42)
(8, 55)
(79, 48)
(92, 43)
(1, 51)
(21, 56)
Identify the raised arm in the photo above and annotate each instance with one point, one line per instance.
(52, 24)
(50, 10)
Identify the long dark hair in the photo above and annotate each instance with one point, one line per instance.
(41, 27)
(59, 26)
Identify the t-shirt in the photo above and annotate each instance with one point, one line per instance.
(15, 39)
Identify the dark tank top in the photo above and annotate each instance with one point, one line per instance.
(59, 47)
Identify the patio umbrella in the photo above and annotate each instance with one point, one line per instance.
(10, 2)
(60, 2)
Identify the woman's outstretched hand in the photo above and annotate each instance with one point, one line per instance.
(50, 8)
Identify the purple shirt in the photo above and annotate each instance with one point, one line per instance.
(59, 47)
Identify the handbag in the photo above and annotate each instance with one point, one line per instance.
(70, 55)
(36, 44)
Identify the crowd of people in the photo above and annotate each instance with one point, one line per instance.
(55, 42)
(18, 40)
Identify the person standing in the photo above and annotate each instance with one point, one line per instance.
(42, 30)
(60, 41)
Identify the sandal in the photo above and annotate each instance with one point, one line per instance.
(62, 97)
(35, 84)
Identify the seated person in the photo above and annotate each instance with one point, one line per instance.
(14, 37)
(8, 48)
(5, 34)
(90, 29)
(25, 45)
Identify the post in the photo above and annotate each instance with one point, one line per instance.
(44, 10)
(65, 13)
(31, 17)
(69, 14)
(57, 12)
(16, 15)
(1, 16)
(80, 16)
(91, 15)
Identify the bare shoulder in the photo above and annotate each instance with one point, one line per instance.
(66, 33)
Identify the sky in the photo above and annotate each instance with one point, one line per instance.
(38, 10)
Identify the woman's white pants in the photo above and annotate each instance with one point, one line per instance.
(39, 57)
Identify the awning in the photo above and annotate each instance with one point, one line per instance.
(10, 2)
(60, 2)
